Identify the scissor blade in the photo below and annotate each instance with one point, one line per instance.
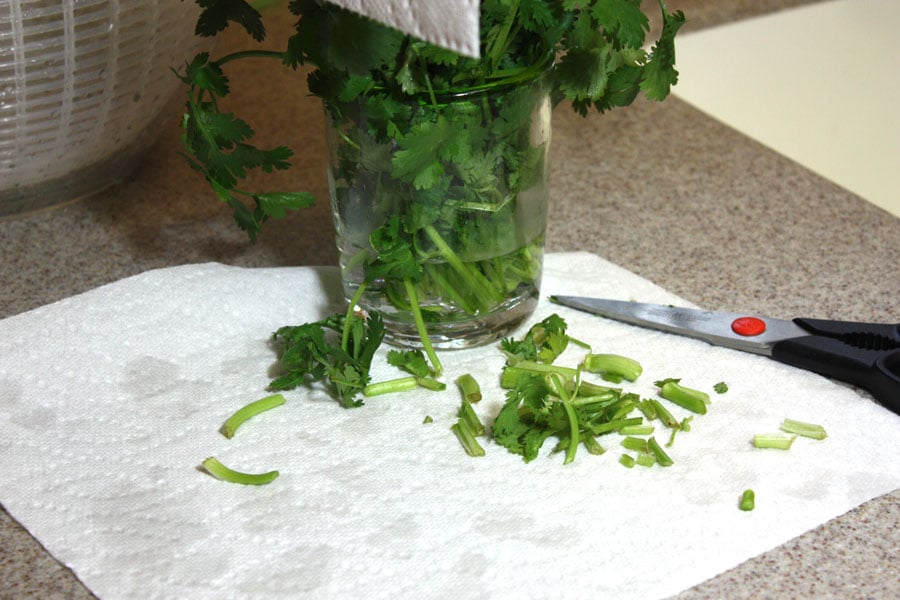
(717, 328)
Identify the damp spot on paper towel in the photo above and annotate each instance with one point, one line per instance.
(506, 526)
(155, 386)
(149, 376)
(245, 360)
(472, 564)
(36, 418)
(10, 394)
(814, 485)
(300, 570)
(402, 528)
(863, 482)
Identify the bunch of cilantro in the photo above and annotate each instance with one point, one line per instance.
(435, 150)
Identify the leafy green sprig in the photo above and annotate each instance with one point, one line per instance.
(338, 350)
(545, 400)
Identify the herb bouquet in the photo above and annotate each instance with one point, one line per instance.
(438, 162)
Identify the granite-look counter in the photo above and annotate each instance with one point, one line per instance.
(660, 189)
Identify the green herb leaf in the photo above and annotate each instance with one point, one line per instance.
(623, 18)
(317, 351)
(659, 73)
(217, 13)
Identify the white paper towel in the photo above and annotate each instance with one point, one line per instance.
(110, 400)
(453, 24)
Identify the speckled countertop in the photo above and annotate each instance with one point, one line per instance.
(661, 189)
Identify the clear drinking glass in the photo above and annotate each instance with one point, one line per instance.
(440, 206)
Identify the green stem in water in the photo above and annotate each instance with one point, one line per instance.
(220, 471)
(249, 411)
(480, 287)
(438, 279)
(436, 365)
(351, 309)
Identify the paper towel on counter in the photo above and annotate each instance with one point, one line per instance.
(110, 400)
(453, 24)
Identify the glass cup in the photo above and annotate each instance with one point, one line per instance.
(440, 206)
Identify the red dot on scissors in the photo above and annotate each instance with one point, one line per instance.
(748, 326)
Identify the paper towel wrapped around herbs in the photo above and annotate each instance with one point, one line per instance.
(451, 24)
(438, 169)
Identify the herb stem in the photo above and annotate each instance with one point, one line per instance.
(220, 471)
(685, 397)
(574, 434)
(249, 411)
(810, 430)
(592, 445)
(480, 287)
(613, 364)
(469, 387)
(663, 459)
(435, 275)
(240, 55)
(468, 414)
(467, 438)
(436, 365)
(351, 310)
(778, 442)
(663, 413)
(401, 384)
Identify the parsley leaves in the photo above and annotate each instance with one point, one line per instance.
(601, 65)
(338, 350)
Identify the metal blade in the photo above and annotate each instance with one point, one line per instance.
(710, 326)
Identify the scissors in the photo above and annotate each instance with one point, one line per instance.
(864, 354)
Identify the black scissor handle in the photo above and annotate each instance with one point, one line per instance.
(864, 354)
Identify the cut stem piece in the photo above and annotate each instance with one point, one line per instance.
(685, 397)
(469, 387)
(773, 440)
(613, 364)
(251, 410)
(220, 471)
(810, 430)
(467, 439)
(663, 459)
